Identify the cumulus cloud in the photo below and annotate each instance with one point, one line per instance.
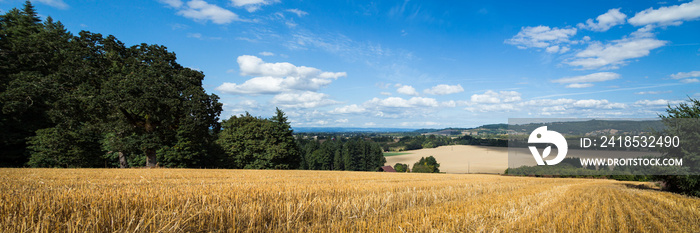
(200, 10)
(492, 108)
(396, 107)
(274, 78)
(599, 104)
(398, 102)
(541, 37)
(670, 15)
(557, 49)
(547, 102)
(690, 80)
(682, 75)
(444, 89)
(491, 101)
(605, 21)
(307, 99)
(349, 109)
(658, 102)
(616, 53)
(492, 97)
(406, 89)
(571, 107)
(587, 80)
(252, 5)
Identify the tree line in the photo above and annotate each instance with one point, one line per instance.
(90, 100)
(351, 154)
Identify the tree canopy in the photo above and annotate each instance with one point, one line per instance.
(68, 100)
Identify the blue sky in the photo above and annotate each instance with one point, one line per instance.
(417, 64)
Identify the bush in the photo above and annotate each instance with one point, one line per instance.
(426, 165)
(400, 167)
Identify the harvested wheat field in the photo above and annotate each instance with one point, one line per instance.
(185, 200)
(459, 158)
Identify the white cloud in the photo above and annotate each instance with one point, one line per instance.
(492, 97)
(682, 75)
(194, 35)
(344, 120)
(398, 102)
(492, 108)
(172, 3)
(406, 90)
(614, 54)
(307, 99)
(267, 54)
(598, 104)
(670, 15)
(658, 102)
(298, 12)
(690, 80)
(385, 93)
(55, 3)
(605, 21)
(444, 89)
(200, 10)
(552, 49)
(349, 109)
(579, 85)
(370, 124)
(547, 102)
(589, 78)
(652, 92)
(274, 78)
(541, 37)
(252, 5)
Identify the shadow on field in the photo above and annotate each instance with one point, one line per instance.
(645, 186)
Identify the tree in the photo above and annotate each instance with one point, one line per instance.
(255, 143)
(149, 95)
(30, 54)
(684, 121)
(426, 165)
(66, 100)
(400, 167)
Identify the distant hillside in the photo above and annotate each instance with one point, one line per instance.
(583, 127)
(570, 128)
(349, 130)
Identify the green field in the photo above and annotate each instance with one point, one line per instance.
(387, 154)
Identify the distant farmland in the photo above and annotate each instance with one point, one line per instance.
(184, 200)
(459, 158)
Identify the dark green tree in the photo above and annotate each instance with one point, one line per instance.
(163, 104)
(426, 165)
(68, 100)
(684, 121)
(400, 167)
(255, 143)
(29, 53)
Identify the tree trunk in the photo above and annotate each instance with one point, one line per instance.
(122, 160)
(151, 158)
